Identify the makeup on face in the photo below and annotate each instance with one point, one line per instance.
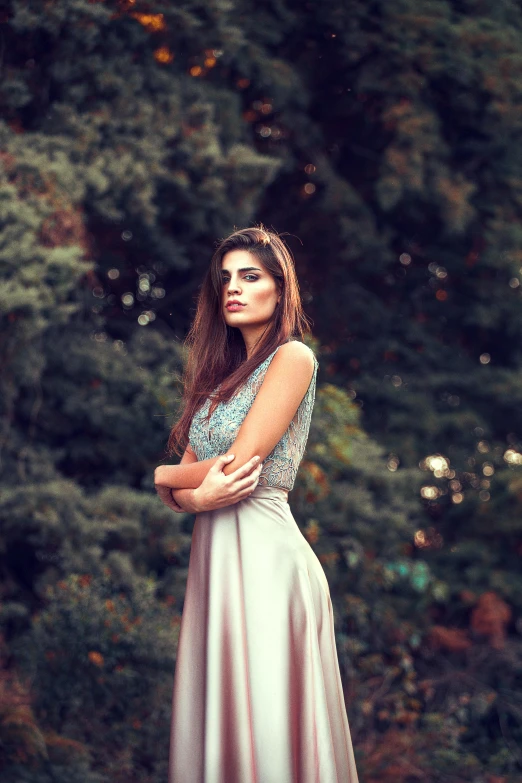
(247, 286)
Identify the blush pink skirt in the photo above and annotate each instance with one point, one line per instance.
(257, 693)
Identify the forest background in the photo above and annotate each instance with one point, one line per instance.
(384, 139)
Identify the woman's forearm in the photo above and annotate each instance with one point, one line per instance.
(187, 500)
(188, 476)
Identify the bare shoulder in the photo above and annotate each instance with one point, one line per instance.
(296, 358)
(297, 350)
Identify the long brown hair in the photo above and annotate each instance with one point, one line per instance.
(216, 352)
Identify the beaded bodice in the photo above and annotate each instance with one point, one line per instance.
(210, 438)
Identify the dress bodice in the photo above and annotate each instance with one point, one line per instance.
(210, 438)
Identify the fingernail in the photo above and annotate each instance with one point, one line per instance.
(256, 459)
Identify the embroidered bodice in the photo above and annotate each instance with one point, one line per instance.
(215, 436)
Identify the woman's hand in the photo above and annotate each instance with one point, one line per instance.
(166, 497)
(218, 490)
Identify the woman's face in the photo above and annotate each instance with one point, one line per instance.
(245, 279)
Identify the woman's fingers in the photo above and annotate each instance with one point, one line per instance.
(223, 490)
(244, 489)
(244, 470)
(220, 463)
(249, 481)
(241, 490)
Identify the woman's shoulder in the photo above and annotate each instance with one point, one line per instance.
(293, 354)
(297, 351)
(294, 360)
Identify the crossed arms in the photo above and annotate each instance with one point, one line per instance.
(285, 383)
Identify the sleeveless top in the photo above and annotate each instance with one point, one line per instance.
(214, 437)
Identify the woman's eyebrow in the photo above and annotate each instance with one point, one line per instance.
(244, 269)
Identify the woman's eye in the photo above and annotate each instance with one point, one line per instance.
(227, 279)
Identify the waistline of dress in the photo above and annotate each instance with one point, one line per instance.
(276, 493)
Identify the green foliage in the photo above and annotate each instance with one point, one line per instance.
(101, 652)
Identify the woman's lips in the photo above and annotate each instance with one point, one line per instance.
(234, 307)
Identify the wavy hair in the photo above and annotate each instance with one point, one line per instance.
(216, 352)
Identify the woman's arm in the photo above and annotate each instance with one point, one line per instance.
(179, 500)
(184, 498)
(216, 489)
(185, 475)
(286, 382)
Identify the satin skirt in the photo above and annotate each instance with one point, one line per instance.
(257, 692)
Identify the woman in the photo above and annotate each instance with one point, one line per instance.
(257, 690)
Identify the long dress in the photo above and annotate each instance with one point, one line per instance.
(257, 692)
